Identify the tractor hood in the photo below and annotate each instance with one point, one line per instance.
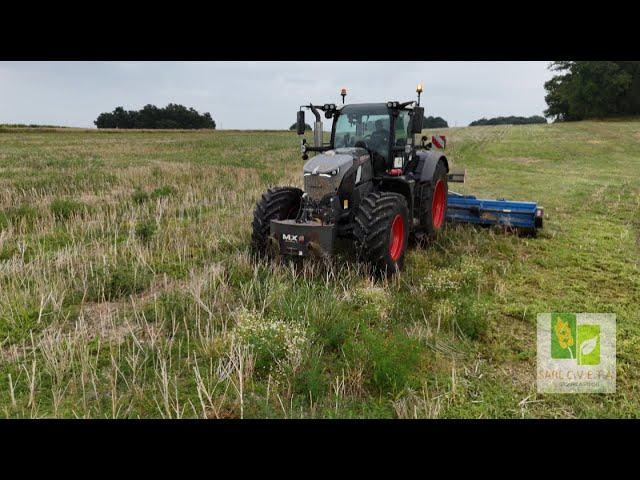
(338, 161)
(324, 173)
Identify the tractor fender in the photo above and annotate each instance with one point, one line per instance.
(427, 163)
(401, 186)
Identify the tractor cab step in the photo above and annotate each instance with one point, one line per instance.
(458, 176)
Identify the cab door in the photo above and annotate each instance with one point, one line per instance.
(399, 155)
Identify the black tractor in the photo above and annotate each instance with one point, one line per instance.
(371, 185)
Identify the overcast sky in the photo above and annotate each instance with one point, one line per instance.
(264, 95)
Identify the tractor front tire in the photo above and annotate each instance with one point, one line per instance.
(381, 231)
(278, 203)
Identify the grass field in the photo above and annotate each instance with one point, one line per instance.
(127, 288)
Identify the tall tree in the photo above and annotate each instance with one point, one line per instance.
(591, 89)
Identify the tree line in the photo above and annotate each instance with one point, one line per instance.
(583, 90)
(30, 125)
(512, 120)
(434, 122)
(307, 127)
(173, 116)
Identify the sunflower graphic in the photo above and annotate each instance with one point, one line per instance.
(563, 339)
(563, 332)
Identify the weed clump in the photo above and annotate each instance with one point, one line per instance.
(390, 360)
(139, 196)
(278, 347)
(118, 281)
(63, 209)
(145, 230)
(17, 215)
(470, 321)
(168, 306)
(23, 321)
(333, 331)
(374, 302)
(164, 191)
(310, 381)
(126, 280)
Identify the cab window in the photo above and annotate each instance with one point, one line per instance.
(402, 129)
(372, 129)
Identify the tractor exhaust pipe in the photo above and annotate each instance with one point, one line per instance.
(317, 134)
(317, 128)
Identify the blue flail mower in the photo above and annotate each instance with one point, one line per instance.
(469, 209)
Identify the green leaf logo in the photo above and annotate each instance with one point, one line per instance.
(589, 344)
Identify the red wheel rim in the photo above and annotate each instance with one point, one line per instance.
(438, 205)
(396, 242)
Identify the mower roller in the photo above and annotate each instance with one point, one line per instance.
(374, 186)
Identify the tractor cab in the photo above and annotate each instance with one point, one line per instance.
(385, 130)
(381, 130)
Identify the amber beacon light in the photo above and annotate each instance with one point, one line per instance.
(419, 91)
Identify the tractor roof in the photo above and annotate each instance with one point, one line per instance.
(370, 108)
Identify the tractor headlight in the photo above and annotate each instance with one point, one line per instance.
(332, 173)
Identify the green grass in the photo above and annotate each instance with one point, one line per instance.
(127, 288)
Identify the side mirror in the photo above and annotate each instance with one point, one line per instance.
(300, 122)
(416, 120)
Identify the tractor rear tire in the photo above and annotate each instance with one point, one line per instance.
(381, 231)
(433, 204)
(278, 203)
